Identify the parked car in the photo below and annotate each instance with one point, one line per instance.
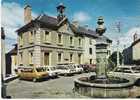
(52, 70)
(32, 73)
(127, 72)
(65, 69)
(78, 68)
(88, 67)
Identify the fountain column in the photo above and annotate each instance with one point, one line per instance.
(101, 49)
(101, 54)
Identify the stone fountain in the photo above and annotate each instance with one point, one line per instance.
(102, 85)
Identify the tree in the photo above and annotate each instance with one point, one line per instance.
(112, 60)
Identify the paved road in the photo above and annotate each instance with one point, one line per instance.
(53, 88)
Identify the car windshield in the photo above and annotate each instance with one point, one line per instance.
(136, 69)
(52, 68)
(62, 67)
(27, 70)
(40, 69)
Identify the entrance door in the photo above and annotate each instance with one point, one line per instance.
(90, 60)
(46, 58)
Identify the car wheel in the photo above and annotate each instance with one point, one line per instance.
(34, 79)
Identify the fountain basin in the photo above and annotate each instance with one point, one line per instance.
(115, 90)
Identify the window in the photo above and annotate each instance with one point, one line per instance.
(71, 55)
(47, 37)
(59, 57)
(46, 58)
(71, 40)
(79, 42)
(21, 58)
(31, 37)
(21, 39)
(59, 38)
(79, 58)
(90, 50)
(30, 58)
(90, 41)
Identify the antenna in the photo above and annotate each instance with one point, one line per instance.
(118, 26)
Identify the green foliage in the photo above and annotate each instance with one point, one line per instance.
(112, 61)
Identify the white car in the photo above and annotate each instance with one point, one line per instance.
(53, 72)
(78, 68)
(65, 70)
(132, 72)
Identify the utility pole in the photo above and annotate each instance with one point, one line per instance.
(118, 26)
(118, 57)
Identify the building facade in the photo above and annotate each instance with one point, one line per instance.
(136, 51)
(132, 53)
(11, 61)
(47, 40)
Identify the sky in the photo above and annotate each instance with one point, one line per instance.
(86, 12)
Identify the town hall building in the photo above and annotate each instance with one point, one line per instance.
(47, 40)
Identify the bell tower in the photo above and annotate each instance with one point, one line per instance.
(100, 28)
(60, 10)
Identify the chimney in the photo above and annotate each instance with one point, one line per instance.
(135, 37)
(27, 14)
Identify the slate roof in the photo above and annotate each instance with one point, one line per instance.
(47, 20)
(52, 22)
(83, 30)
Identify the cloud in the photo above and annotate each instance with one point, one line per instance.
(127, 39)
(81, 17)
(11, 19)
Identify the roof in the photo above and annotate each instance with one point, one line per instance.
(45, 21)
(135, 42)
(14, 50)
(83, 31)
(48, 20)
(52, 23)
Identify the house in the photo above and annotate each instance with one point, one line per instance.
(48, 40)
(136, 51)
(11, 61)
(132, 53)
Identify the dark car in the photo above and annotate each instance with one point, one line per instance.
(88, 67)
